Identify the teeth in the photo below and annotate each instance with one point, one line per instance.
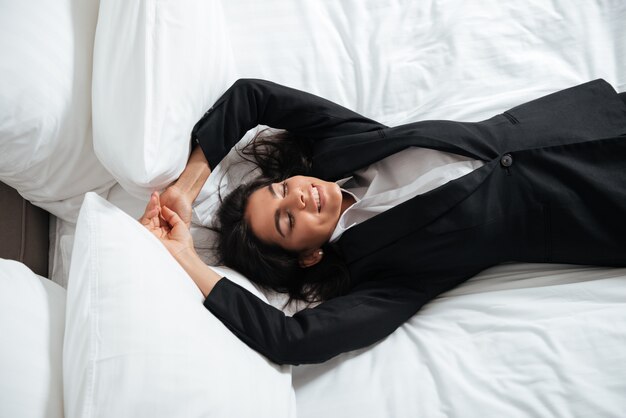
(316, 196)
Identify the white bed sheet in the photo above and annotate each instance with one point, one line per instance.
(517, 340)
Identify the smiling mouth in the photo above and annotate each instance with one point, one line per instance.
(316, 197)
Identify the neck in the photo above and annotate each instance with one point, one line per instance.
(347, 200)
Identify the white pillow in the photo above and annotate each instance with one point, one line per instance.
(32, 318)
(158, 66)
(139, 342)
(46, 150)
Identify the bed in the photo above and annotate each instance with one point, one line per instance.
(98, 100)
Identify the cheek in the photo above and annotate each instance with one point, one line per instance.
(312, 226)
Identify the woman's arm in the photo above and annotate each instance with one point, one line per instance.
(180, 195)
(202, 275)
(251, 102)
(193, 176)
(369, 313)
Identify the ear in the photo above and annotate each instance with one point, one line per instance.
(310, 258)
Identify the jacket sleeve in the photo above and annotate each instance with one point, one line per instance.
(369, 313)
(251, 102)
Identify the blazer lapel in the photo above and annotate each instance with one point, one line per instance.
(395, 223)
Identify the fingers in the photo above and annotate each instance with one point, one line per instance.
(152, 209)
(171, 217)
(160, 216)
(155, 210)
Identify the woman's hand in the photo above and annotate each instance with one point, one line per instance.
(179, 202)
(168, 227)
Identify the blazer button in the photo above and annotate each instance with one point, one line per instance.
(506, 160)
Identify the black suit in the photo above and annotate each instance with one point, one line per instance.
(552, 189)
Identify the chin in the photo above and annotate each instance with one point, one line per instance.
(338, 196)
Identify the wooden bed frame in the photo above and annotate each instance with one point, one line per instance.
(24, 231)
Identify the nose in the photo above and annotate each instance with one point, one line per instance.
(297, 199)
(301, 199)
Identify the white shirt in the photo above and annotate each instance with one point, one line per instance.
(396, 179)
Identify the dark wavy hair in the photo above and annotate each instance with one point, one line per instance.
(279, 155)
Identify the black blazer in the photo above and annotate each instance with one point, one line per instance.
(552, 189)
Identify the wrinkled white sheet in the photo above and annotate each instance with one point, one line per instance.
(404, 60)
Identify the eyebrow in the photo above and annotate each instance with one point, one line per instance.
(277, 213)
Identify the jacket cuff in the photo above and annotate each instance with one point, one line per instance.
(217, 295)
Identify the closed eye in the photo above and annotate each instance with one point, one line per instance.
(289, 215)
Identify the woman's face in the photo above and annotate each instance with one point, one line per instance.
(298, 214)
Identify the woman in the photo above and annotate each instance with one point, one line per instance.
(421, 208)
